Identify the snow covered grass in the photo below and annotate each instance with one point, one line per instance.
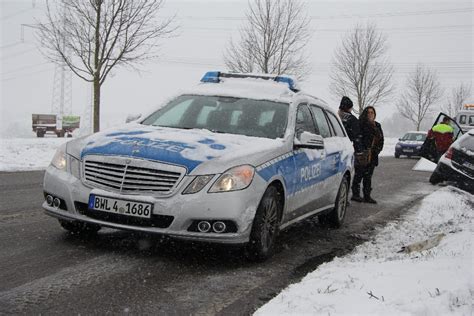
(20, 154)
(376, 279)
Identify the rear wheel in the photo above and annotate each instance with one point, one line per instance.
(436, 178)
(397, 155)
(335, 218)
(265, 226)
(40, 133)
(79, 228)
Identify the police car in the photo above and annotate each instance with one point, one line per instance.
(234, 160)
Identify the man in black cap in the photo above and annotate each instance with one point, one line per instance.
(350, 122)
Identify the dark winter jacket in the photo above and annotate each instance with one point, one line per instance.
(372, 137)
(351, 124)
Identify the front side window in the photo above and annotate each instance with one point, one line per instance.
(462, 119)
(304, 121)
(471, 120)
(230, 115)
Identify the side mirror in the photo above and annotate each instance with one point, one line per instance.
(309, 140)
(132, 117)
(400, 138)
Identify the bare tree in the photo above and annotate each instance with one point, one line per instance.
(456, 101)
(272, 41)
(423, 90)
(93, 36)
(360, 68)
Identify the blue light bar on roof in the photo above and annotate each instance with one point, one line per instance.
(214, 77)
(287, 80)
(211, 76)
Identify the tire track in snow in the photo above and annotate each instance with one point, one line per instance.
(91, 272)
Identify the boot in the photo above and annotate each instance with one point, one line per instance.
(356, 193)
(368, 198)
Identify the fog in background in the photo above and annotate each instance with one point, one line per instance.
(438, 34)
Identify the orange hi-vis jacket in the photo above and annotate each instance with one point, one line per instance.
(443, 135)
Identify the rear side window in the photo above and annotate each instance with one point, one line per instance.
(336, 125)
(462, 119)
(321, 122)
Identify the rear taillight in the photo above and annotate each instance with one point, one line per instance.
(449, 153)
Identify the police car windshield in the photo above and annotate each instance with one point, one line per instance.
(231, 115)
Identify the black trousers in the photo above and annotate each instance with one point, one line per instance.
(364, 175)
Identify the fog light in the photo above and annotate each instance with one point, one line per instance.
(56, 202)
(218, 227)
(49, 200)
(204, 226)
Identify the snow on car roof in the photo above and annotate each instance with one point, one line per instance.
(251, 88)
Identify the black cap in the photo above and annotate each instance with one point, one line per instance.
(346, 103)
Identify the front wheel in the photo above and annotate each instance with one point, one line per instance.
(335, 218)
(265, 226)
(79, 228)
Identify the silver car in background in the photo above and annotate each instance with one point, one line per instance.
(234, 160)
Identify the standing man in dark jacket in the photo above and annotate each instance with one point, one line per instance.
(350, 122)
(371, 139)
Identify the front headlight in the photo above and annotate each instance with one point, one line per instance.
(418, 147)
(59, 159)
(197, 184)
(237, 178)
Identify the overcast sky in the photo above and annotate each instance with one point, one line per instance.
(438, 34)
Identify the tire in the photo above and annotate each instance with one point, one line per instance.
(436, 178)
(336, 217)
(40, 133)
(265, 226)
(397, 155)
(80, 228)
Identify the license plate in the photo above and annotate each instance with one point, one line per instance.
(122, 207)
(408, 150)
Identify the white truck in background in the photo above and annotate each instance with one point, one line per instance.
(465, 117)
(42, 123)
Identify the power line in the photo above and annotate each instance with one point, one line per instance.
(346, 16)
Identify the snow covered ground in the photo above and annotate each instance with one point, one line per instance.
(376, 279)
(36, 153)
(373, 280)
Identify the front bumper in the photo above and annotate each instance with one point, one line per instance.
(237, 206)
(407, 151)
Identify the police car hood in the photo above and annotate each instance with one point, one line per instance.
(199, 151)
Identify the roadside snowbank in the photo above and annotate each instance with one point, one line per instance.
(377, 280)
(20, 154)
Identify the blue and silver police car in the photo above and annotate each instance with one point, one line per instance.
(234, 160)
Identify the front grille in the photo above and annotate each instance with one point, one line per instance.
(159, 221)
(132, 176)
(459, 158)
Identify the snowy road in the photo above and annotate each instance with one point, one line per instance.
(43, 270)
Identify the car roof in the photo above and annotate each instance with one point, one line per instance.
(257, 86)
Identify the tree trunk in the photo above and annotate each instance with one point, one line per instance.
(96, 104)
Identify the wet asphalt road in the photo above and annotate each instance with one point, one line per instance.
(45, 270)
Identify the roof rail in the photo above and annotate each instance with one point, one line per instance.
(214, 77)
